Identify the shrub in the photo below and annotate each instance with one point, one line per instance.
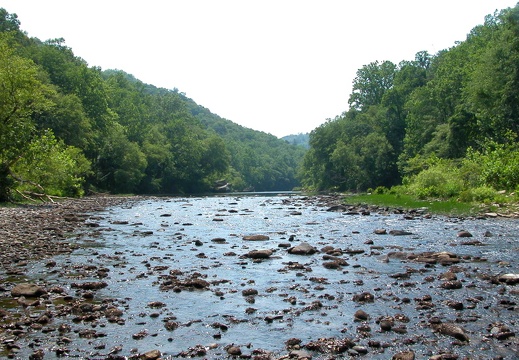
(380, 190)
(440, 181)
(483, 194)
(497, 165)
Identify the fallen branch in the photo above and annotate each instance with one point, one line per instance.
(41, 197)
(25, 196)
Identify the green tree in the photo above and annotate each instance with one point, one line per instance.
(68, 121)
(8, 22)
(493, 88)
(51, 167)
(157, 149)
(22, 94)
(371, 83)
(120, 164)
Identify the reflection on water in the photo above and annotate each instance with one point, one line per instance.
(137, 247)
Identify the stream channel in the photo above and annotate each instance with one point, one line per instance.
(184, 280)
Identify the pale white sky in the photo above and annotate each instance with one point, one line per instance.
(279, 66)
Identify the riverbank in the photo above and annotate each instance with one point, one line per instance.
(442, 207)
(33, 232)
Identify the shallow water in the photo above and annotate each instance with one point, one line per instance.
(161, 236)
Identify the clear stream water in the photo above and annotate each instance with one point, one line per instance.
(140, 244)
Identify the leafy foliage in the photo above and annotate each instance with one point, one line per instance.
(66, 127)
(444, 124)
(51, 165)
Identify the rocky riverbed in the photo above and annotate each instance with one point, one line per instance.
(279, 277)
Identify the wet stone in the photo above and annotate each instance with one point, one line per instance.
(361, 315)
(400, 233)
(259, 254)
(256, 238)
(249, 292)
(451, 285)
(452, 330)
(151, 355)
(27, 290)
(509, 279)
(456, 305)
(233, 350)
(364, 297)
(404, 355)
(464, 234)
(303, 249)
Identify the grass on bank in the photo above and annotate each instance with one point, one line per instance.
(400, 201)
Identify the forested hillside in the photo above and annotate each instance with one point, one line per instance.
(443, 125)
(67, 128)
(259, 161)
(298, 139)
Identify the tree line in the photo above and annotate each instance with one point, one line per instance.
(67, 128)
(442, 125)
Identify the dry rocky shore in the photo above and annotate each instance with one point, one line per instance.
(39, 232)
(33, 232)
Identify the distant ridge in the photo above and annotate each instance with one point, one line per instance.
(298, 139)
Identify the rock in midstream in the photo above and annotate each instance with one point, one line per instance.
(303, 249)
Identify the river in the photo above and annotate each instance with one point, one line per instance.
(185, 282)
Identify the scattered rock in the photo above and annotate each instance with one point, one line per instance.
(90, 285)
(404, 355)
(233, 350)
(456, 305)
(303, 249)
(509, 279)
(249, 292)
(140, 335)
(451, 330)
(332, 265)
(27, 290)
(256, 238)
(364, 297)
(259, 254)
(354, 251)
(151, 355)
(331, 345)
(446, 356)
(472, 243)
(451, 285)
(290, 343)
(361, 315)
(464, 233)
(300, 355)
(340, 208)
(386, 325)
(399, 233)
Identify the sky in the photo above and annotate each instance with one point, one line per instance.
(278, 66)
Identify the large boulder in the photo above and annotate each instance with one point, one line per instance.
(27, 290)
(451, 329)
(259, 254)
(509, 279)
(303, 249)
